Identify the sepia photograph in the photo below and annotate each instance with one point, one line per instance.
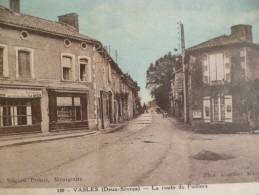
(128, 97)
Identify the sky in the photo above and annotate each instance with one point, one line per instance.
(142, 31)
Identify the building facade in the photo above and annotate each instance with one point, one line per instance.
(221, 81)
(52, 78)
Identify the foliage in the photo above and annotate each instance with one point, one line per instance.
(159, 77)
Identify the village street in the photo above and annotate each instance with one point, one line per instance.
(150, 150)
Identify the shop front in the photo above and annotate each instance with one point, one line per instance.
(20, 110)
(68, 110)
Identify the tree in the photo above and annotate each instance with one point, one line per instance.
(159, 77)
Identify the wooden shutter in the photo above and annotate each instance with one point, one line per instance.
(36, 111)
(220, 66)
(52, 108)
(228, 109)
(212, 67)
(206, 109)
(24, 64)
(84, 108)
(1, 61)
(227, 68)
(206, 75)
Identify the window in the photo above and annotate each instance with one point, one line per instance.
(24, 63)
(216, 65)
(217, 109)
(69, 109)
(3, 61)
(217, 68)
(24, 35)
(17, 112)
(83, 69)
(67, 65)
(67, 43)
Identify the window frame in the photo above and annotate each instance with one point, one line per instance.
(88, 68)
(31, 52)
(72, 66)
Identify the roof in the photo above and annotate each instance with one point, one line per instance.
(223, 40)
(9, 17)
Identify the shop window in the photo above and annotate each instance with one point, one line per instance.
(221, 109)
(69, 109)
(83, 69)
(67, 65)
(17, 112)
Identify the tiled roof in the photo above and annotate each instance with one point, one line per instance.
(218, 41)
(39, 24)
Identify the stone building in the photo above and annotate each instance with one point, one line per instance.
(52, 78)
(222, 81)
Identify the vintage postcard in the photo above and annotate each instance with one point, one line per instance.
(127, 97)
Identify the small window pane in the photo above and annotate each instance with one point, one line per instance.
(77, 101)
(64, 101)
(66, 73)
(67, 62)
(83, 72)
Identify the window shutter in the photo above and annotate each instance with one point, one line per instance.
(84, 107)
(206, 109)
(36, 111)
(206, 70)
(1, 61)
(228, 109)
(212, 67)
(52, 107)
(227, 68)
(220, 66)
(24, 64)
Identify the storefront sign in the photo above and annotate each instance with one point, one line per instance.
(20, 93)
(196, 114)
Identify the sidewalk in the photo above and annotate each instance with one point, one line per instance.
(15, 140)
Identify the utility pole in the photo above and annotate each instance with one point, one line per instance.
(184, 75)
(116, 56)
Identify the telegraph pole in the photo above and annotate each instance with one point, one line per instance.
(116, 56)
(184, 79)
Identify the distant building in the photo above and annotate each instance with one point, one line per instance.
(220, 72)
(53, 78)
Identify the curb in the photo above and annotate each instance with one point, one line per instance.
(112, 130)
(45, 140)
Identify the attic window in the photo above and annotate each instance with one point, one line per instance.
(67, 42)
(24, 35)
(83, 45)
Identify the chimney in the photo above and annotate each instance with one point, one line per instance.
(15, 5)
(242, 31)
(70, 19)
